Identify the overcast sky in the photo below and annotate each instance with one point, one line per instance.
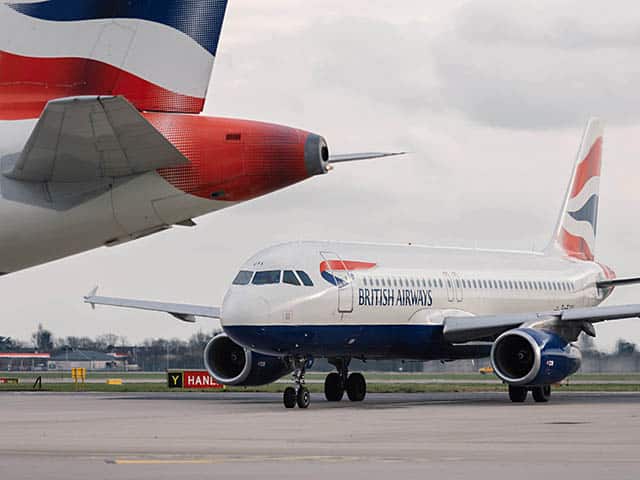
(490, 95)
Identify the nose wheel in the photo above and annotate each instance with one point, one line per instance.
(299, 394)
(337, 383)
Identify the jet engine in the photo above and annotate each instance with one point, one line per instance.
(529, 357)
(234, 365)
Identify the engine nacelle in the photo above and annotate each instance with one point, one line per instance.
(529, 357)
(233, 365)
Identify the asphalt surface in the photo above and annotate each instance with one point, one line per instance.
(246, 435)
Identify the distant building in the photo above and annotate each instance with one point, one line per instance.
(23, 361)
(68, 359)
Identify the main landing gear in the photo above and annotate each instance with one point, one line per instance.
(335, 385)
(298, 395)
(338, 382)
(541, 394)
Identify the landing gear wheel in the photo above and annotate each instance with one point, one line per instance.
(541, 394)
(333, 387)
(303, 398)
(517, 394)
(356, 387)
(289, 397)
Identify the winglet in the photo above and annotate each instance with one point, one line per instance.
(90, 295)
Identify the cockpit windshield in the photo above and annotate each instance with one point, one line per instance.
(296, 278)
(290, 278)
(306, 281)
(268, 277)
(243, 278)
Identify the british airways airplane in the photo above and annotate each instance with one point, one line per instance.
(295, 302)
(100, 141)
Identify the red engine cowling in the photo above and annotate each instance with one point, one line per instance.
(235, 160)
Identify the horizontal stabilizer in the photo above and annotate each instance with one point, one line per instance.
(352, 157)
(184, 312)
(82, 139)
(618, 282)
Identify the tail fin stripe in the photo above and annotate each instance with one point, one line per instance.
(589, 168)
(576, 247)
(199, 19)
(588, 213)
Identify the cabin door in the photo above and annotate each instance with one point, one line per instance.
(335, 271)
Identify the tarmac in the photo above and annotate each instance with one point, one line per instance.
(248, 435)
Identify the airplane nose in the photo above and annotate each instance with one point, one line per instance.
(316, 155)
(244, 308)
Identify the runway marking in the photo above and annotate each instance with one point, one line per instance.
(239, 459)
(195, 461)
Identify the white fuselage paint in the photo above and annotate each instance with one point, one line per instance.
(33, 230)
(408, 272)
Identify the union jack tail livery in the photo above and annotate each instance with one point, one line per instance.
(576, 231)
(158, 54)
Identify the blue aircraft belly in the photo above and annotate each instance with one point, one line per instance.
(370, 341)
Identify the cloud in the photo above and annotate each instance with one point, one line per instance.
(540, 64)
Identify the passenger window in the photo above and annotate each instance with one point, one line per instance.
(440, 282)
(243, 278)
(290, 278)
(268, 277)
(306, 281)
(364, 281)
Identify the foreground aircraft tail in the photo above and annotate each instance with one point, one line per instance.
(68, 48)
(575, 233)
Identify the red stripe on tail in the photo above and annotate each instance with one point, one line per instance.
(575, 247)
(589, 168)
(27, 84)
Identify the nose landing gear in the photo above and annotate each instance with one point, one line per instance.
(337, 383)
(298, 395)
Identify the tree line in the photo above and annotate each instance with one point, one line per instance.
(157, 354)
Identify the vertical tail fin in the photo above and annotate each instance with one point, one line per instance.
(575, 233)
(158, 54)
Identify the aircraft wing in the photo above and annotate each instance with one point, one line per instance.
(352, 157)
(81, 139)
(466, 329)
(184, 312)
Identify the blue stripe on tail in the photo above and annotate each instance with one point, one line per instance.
(199, 19)
(588, 212)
